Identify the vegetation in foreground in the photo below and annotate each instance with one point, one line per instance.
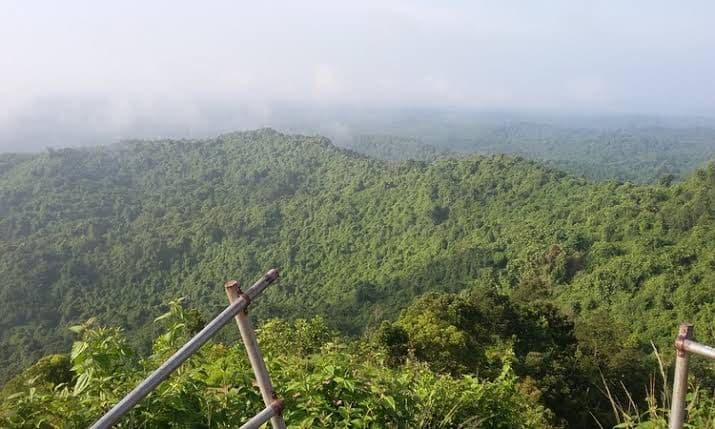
(448, 361)
(324, 380)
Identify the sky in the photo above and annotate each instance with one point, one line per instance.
(138, 58)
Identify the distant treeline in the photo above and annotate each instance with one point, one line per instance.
(640, 155)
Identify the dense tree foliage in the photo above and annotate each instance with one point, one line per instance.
(636, 154)
(580, 277)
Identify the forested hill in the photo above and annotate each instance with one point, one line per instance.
(116, 231)
(392, 148)
(637, 154)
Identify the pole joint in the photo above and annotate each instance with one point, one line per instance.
(277, 407)
(685, 333)
(234, 284)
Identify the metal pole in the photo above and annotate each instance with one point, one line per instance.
(699, 349)
(274, 409)
(161, 373)
(234, 293)
(680, 379)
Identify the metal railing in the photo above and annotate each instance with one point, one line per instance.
(238, 303)
(684, 344)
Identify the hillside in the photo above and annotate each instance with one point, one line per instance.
(116, 231)
(391, 148)
(640, 154)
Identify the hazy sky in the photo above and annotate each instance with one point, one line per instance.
(655, 57)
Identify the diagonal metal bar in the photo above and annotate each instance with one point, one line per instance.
(161, 373)
(269, 412)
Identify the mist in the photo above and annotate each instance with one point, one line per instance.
(85, 73)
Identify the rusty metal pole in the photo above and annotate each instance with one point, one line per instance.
(680, 379)
(234, 293)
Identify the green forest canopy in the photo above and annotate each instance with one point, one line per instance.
(117, 231)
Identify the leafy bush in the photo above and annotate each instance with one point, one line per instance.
(324, 380)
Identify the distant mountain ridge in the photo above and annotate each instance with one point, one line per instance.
(641, 155)
(620, 147)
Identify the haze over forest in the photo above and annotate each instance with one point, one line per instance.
(85, 73)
